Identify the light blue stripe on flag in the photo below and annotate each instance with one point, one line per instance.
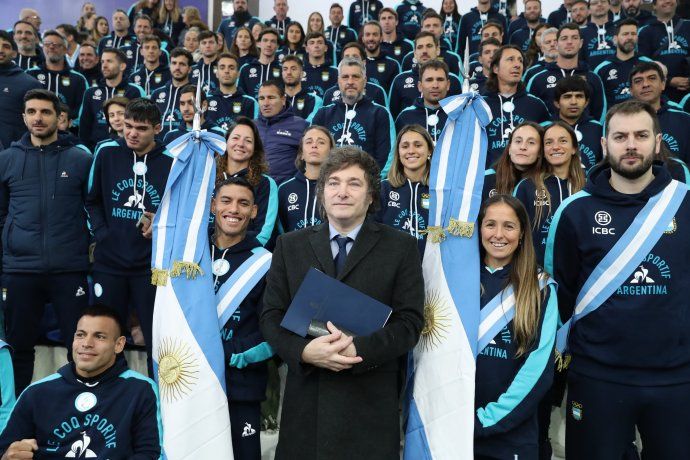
(236, 288)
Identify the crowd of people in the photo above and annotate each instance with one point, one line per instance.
(330, 129)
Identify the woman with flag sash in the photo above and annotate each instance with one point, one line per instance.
(562, 176)
(297, 204)
(519, 313)
(405, 191)
(246, 158)
(522, 157)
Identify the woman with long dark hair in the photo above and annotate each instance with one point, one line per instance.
(245, 157)
(243, 46)
(515, 359)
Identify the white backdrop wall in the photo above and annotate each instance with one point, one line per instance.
(300, 9)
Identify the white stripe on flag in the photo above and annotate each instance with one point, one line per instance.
(444, 374)
(196, 419)
(494, 316)
(443, 170)
(471, 177)
(160, 230)
(199, 217)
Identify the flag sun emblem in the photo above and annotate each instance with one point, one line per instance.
(436, 321)
(178, 370)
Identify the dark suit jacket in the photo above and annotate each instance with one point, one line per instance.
(352, 414)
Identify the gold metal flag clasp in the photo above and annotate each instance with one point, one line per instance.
(462, 229)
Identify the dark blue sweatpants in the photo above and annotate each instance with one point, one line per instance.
(26, 296)
(601, 418)
(245, 428)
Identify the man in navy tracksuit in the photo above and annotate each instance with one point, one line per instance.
(228, 101)
(188, 110)
(543, 83)
(126, 182)
(151, 74)
(471, 25)
(265, 67)
(14, 83)
(667, 39)
(94, 407)
(280, 130)
(45, 240)
(363, 11)
(630, 356)
(93, 126)
(303, 103)
(394, 44)
(120, 36)
(356, 120)
(615, 71)
(410, 14)
(57, 76)
(510, 104)
(647, 82)
(426, 110)
(240, 18)
(319, 75)
(404, 89)
(167, 98)
(571, 99)
(246, 351)
(562, 15)
(338, 33)
(381, 69)
(204, 71)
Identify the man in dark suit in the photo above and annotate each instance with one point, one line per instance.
(342, 393)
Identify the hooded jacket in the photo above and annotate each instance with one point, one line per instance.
(543, 85)
(371, 128)
(373, 91)
(67, 84)
(252, 75)
(317, 79)
(362, 11)
(406, 208)
(116, 202)
(419, 113)
(615, 76)
(640, 335)
(525, 107)
(115, 415)
(382, 70)
(167, 99)
(304, 104)
(14, 84)
(246, 351)
(93, 126)
(298, 207)
(410, 14)
(42, 217)
(559, 17)
(151, 80)
(588, 132)
(224, 108)
(471, 25)
(206, 74)
(113, 41)
(239, 19)
(672, 51)
(597, 43)
(404, 91)
(281, 135)
(510, 388)
(674, 130)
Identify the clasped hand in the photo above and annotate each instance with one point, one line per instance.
(334, 351)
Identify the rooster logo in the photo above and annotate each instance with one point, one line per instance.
(80, 448)
(640, 277)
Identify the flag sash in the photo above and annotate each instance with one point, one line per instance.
(628, 252)
(236, 288)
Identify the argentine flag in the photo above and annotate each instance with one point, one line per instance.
(187, 348)
(440, 422)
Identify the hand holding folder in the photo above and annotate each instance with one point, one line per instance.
(321, 298)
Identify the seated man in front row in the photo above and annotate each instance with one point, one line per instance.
(94, 407)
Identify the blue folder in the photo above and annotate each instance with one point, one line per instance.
(321, 298)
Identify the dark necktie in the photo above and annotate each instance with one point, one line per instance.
(342, 253)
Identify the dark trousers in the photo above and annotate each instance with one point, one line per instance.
(245, 427)
(26, 297)
(601, 419)
(120, 292)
